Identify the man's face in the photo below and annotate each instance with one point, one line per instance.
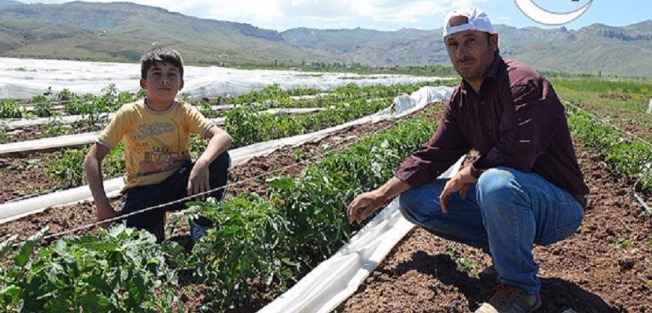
(471, 53)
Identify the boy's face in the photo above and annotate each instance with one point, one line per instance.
(162, 84)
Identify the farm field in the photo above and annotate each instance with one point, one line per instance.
(605, 267)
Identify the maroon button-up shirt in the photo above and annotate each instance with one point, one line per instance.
(515, 121)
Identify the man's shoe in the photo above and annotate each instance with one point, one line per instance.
(510, 299)
(197, 232)
(489, 273)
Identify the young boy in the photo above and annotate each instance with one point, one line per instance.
(156, 133)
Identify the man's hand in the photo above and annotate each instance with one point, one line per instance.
(460, 182)
(367, 203)
(364, 205)
(199, 180)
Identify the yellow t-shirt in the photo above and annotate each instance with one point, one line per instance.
(156, 143)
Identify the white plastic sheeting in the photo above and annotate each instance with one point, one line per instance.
(30, 122)
(337, 278)
(69, 119)
(49, 143)
(14, 210)
(88, 138)
(10, 211)
(25, 78)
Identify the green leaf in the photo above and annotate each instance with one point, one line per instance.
(7, 245)
(99, 283)
(101, 246)
(12, 291)
(282, 183)
(22, 257)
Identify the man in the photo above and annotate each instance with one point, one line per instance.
(525, 187)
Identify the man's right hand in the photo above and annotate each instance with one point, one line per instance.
(367, 203)
(364, 205)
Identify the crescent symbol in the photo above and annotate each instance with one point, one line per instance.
(543, 16)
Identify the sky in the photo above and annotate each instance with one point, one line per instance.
(390, 15)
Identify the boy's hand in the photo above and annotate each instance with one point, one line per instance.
(105, 213)
(199, 181)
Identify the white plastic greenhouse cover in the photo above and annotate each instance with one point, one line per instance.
(26, 78)
(337, 278)
(13, 210)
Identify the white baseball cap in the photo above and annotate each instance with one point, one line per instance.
(477, 20)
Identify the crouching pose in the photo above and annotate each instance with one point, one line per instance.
(526, 186)
(156, 134)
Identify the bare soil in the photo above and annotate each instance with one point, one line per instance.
(605, 267)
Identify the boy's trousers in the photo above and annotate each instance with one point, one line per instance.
(171, 189)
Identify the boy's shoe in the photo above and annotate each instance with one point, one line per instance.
(510, 299)
(197, 232)
(489, 273)
(198, 228)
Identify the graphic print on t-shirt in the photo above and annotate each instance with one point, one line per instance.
(158, 155)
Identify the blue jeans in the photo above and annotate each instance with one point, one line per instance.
(171, 189)
(506, 212)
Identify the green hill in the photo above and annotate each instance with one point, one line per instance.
(10, 2)
(624, 51)
(122, 31)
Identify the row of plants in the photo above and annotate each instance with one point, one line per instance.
(601, 85)
(94, 111)
(302, 220)
(67, 165)
(244, 123)
(47, 103)
(613, 101)
(274, 96)
(113, 270)
(623, 101)
(44, 105)
(625, 155)
(247, 125)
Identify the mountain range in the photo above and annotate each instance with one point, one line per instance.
(122, 31)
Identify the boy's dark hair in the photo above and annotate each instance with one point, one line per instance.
(160, 54)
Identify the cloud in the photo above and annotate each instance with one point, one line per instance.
(315, 8)
(279, 14)
(412, 11)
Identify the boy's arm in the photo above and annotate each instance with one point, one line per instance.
(93, 169)
(219, 142)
